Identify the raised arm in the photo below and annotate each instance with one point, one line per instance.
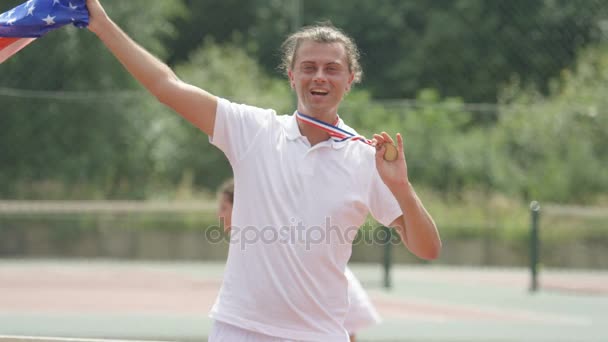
(194, 104)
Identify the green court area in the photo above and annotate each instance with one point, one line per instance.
(169, 301)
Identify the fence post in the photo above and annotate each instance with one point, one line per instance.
(534, 245)
(387, 257)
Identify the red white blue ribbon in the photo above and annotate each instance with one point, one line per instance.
(337, 134)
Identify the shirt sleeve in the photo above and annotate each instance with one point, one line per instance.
(237, 127)
(382, 204)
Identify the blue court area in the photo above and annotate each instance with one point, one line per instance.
(169, 301)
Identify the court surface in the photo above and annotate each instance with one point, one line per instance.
(170, 301)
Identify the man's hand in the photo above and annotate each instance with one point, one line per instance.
(416, 227)
(393, 173)
(96, 15)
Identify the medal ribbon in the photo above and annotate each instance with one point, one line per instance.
(337, 134)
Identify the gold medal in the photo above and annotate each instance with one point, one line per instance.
(390, 152)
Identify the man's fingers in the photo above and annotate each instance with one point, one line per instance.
(400, 143)
(387, 138)
(380, 153)
(379, 140)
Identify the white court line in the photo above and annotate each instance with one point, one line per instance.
(15, 338)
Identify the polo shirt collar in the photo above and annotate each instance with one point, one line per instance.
(293, 131)
(291, 128)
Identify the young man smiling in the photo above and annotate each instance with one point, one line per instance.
(307, 170)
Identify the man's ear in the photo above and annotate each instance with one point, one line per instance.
(291, 80)
(350, 81)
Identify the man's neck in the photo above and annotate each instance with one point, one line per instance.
(314, 134)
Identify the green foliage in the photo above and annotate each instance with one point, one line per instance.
(548, 143)
(183, 153)
(91, 142)
(443, 149)
(205, 18)
(468, 49)
(555, 146)
(228, 71)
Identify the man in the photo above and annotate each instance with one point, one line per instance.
(294, 178)
(361, 312)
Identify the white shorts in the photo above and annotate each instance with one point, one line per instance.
(223, 332)
(361, 313)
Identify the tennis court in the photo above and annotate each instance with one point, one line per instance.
(170, 300)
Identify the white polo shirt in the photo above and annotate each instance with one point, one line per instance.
(295, 215)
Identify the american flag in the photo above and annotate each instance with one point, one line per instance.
(32, 19)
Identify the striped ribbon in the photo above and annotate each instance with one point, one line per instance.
(337, 134)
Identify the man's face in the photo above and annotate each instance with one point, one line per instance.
(320, 77)
(224, 211)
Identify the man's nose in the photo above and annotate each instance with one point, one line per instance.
(319, 76)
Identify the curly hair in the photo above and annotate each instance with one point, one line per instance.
(321, 33)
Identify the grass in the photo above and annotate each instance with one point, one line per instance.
(470, 215)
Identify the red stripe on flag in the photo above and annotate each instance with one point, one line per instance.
(4, 42)
(10, 46)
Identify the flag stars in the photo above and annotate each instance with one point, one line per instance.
(49, 20)
(30, 11)
(11, 21)
(72, 7)
(28, 3)
(56, 2)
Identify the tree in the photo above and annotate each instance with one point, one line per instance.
(556, 145)
(182, 152)
(205, 18)
(85, 134)
(462, 48)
